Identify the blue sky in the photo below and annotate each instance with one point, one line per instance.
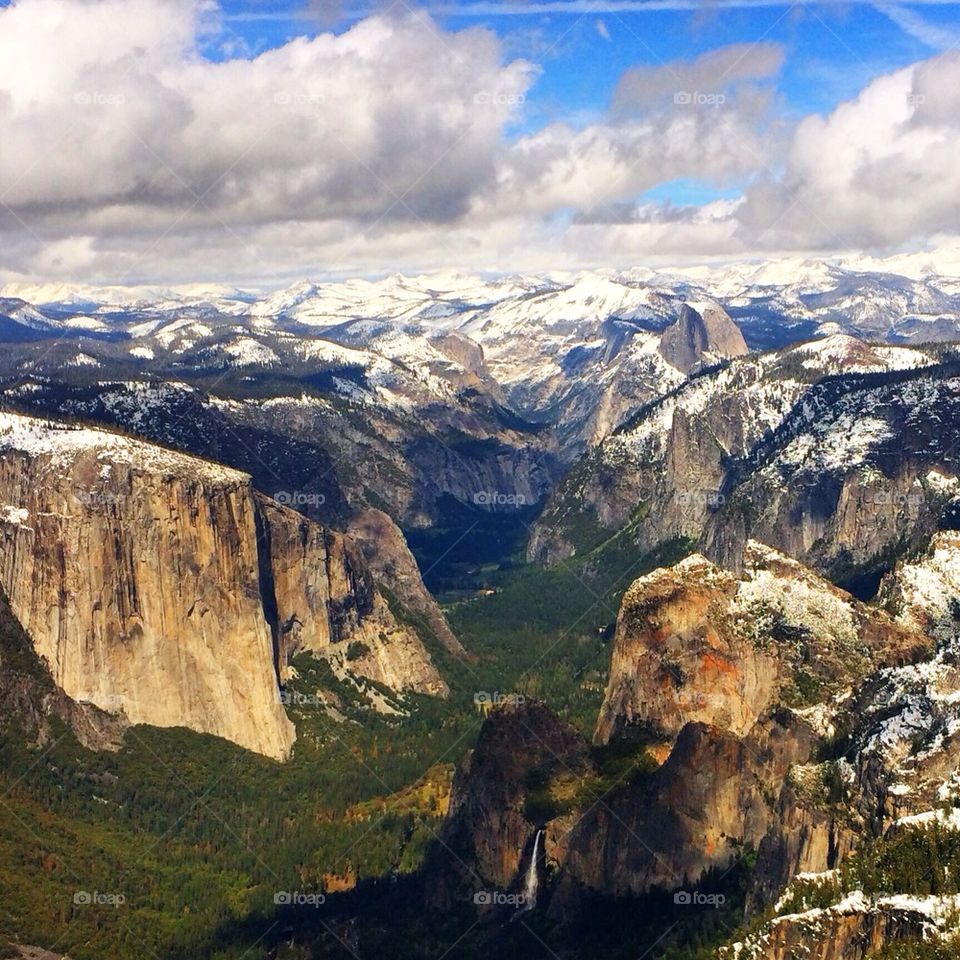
(833, 49)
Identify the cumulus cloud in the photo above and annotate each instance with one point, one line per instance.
(126, 126)
(604, 164)
(880, 171)
(685, 119)
(716, 74)
(129, 155)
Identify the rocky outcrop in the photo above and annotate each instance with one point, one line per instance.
(861, 473)
(727, 678)
(155, 584)
(924, 592)
(661, 475)
(698, 643)
(324, 595)
(837, 452)
(855, 928)
(703, 333)
(696, 813)
(392, 565)
(491, 822)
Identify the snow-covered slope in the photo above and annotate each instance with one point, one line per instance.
(578, 350)
(668, 470)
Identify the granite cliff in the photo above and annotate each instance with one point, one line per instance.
(163, 588)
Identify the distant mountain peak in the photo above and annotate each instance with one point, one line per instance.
(703, 331)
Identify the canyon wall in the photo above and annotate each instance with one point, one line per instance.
(158, 586)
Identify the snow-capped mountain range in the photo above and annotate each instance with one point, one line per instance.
(921, 286)
(582, 348)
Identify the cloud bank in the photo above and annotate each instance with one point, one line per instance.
(128, 156)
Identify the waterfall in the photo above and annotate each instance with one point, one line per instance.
(530, 886)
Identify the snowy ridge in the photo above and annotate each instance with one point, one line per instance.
(62, 444)
(932, 916)
(900, 295)
(926, 589)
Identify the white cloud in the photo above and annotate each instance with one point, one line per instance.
(932, 34)
(126, 126)
(126, 155)
(880, 171)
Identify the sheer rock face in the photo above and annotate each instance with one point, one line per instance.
(324, 595)
(696, 643)
(29, 698)
(808, 836)
(150, 582)
(676, 657)
(389, 559)
(702, 332)
(487, 824)
(695, 813)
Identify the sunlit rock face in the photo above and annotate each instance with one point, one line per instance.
(697, 643)
(160, 586)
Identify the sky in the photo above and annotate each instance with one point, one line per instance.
(260, 141)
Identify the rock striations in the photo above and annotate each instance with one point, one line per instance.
(164, 588)
(702, 333)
